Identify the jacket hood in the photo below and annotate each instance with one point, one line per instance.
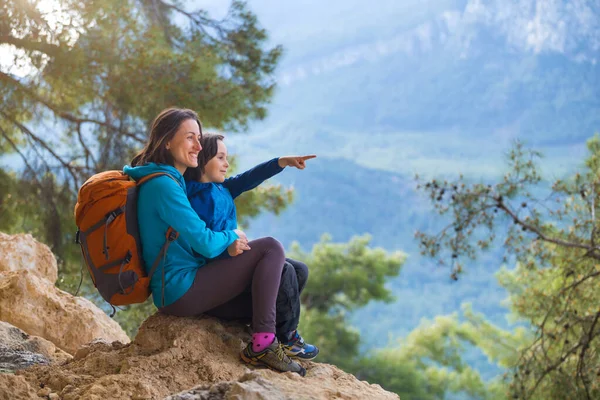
(141, 171)
(193, 187)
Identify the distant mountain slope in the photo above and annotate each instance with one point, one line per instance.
(445, 95)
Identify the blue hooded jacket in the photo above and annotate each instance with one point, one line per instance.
(162, 203)
(213, 202)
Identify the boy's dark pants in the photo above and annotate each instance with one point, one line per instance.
(287, 314)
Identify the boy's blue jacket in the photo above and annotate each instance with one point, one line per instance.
(162, 203)
(213, 202)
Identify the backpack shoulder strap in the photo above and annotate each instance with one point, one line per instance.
(156, 175)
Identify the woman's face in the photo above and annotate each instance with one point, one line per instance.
(185, 145)
(216, 168)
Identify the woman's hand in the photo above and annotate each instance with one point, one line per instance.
(294, 161)
(240, 245)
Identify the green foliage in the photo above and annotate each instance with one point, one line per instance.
(265, 198)
(343, 277)
(427, 364)
(332, 333)
(554, 287)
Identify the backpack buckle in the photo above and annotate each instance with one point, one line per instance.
(110, 217)
(172, 235)
(77, 234)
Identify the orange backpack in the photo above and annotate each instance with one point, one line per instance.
(106, 218)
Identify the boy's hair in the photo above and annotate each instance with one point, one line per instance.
(210, 147)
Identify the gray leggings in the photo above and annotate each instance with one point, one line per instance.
(221, 281)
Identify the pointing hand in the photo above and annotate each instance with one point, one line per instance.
(295, 161)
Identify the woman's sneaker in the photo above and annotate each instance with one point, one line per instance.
(273, 357)
(297, 348)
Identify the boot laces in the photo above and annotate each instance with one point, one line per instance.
(280, 353)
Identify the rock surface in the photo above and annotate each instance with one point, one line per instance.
(250, 386)
(171, 355)
(35, 305)
(13, 387)
(13, 339)
(23, 252)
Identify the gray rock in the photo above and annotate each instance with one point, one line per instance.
(19, 350)
(14, 359)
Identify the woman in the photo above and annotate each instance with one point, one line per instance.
(187, 286)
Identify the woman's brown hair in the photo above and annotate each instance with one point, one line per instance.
(164, 127)
(210, 147)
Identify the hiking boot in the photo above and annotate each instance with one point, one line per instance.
(273, 357)
(297, 348)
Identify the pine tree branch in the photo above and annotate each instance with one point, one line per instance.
(61, 113)
(20, 153)
(88, 154)
(580, 364)
(30, 45)
(200, 21)
(579, 282)
(45, 145)
(48, 195)
(545, 237)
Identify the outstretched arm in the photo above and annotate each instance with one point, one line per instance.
(252, 178)
(257, 175)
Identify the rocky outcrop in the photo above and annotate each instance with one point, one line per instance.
(30, 301)
(171, 355)
(23, 252)
(39, 308)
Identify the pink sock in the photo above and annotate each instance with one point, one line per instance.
(261, 340)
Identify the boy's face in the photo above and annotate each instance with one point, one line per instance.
(216, 168)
